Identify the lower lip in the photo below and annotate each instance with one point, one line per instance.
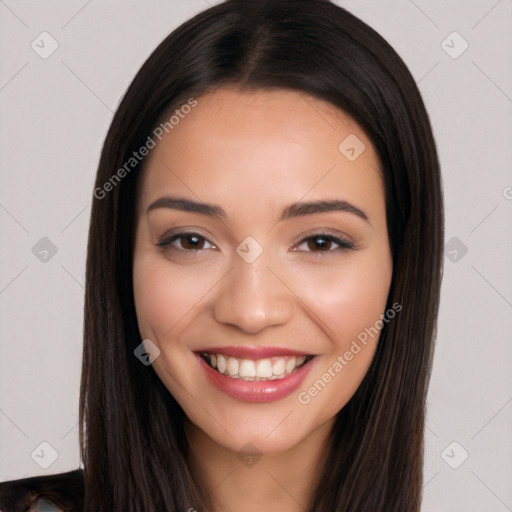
(256, 391)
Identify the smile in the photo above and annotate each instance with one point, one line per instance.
(265, 369)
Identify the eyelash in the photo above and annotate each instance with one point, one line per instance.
(166, 241)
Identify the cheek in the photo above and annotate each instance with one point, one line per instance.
(356, 302)
(165, 294)
(159, 299)
(349, 304)
(349, 298)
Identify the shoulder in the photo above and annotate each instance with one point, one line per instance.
(63, 490)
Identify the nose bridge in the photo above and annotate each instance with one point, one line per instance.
(252, 298)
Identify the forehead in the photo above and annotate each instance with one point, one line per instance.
(276, 145)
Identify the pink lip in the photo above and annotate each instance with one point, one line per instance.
(251, 352)
(255, 391)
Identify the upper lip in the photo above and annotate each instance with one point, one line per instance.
(252, 352)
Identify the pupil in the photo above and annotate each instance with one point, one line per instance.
(192, 241)
(320, 242)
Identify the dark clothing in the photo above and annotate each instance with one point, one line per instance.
(64, 490)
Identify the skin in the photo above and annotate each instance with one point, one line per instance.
(254, 153)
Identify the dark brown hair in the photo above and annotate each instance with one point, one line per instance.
(131, 429)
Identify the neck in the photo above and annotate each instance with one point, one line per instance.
(274, 482)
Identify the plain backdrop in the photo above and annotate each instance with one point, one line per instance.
(55, 112)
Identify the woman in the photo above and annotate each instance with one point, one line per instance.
(263, 275)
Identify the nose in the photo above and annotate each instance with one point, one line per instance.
(252, 297)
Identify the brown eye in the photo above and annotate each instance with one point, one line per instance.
(192, 242)
(320, 243)
(187, 242)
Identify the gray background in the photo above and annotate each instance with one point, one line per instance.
(55, 113)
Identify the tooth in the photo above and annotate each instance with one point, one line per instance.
(232, 366)
(263, 368)
(290, 365)
(221, 363)
(279, 367)
(247, 368)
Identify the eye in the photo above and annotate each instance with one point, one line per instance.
(188, 242)
(323, 243)
(193, 242)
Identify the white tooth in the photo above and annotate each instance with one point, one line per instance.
(213, 360)
(221, 363)
(263, 368)
(290, 365)
(279, 367)
(247, 368)
(232, 366)
(300, 360)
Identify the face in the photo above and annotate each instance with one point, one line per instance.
(261, 249)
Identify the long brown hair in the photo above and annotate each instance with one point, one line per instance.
(131, 429)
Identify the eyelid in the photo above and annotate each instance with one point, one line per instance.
(165, 240)
(342, 243)
(327, 232)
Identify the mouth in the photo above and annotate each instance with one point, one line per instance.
(255, 370)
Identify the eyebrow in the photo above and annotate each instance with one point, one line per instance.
(293, 210)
